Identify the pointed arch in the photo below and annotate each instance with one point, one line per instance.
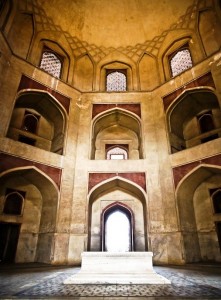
(21, 34)
(114, 182)
(29, 168)
(107, 211)
(116, 60)
(52, 119)
(42, 202)
(148, 72)
(183, 118)
(195, 212)
(208, 30)
(84, 73)
(118, 183)
(49, 40)
(179, 39)
(122, 118)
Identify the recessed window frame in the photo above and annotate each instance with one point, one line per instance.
(58, 56)
(173, 54)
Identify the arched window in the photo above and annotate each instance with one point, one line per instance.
(216, 198)
(206, 122)
(30, 122)
(13, 202)
(117, 153)
(116, 81)
(180, 61)
(51, 63)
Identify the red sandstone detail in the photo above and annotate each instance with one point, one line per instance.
(181, 171)
(96, 178)
(29, 83)
(99, 108)
(10, 162)
(205, 80)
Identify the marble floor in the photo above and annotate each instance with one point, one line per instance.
(39, 281)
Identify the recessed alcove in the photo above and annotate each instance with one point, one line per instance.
(38, 120)
(196, 214)
(32, 241)
(117, 195)
(116, 127)
(193, 118)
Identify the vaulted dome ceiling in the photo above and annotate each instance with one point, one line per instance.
(115, 23)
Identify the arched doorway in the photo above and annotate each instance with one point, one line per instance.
(117, 228)
(120, 199)
(27, 227)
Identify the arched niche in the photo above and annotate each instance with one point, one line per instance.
(48, 41)
(196, 217)
(209, 30)
(21, 33)
(184, 119)
(119, 192)
(116, 127)
(174, 41)
(116, 66)
(51, 127)
(38, 219)
(116, 60)
(84, 74)
(117, 226)
(148, 70)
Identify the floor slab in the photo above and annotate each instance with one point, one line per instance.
(38, 281)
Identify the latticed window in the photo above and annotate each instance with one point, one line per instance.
(116, 81)
(51, 63)
(117, 153)
(180, 61)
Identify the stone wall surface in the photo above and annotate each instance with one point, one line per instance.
(66, 177)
